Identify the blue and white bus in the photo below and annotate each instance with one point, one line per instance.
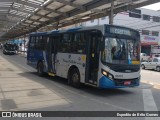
(104, 56)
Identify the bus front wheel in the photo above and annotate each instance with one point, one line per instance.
(74, 78)
(40, 69)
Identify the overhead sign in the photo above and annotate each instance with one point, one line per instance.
(136, 13)
(149, 40)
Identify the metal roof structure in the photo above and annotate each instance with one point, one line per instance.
(20, 17)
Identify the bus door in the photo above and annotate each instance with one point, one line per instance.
(93, 57)
(31, 52)
(52, 51)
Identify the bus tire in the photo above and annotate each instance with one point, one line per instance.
(74, 78)
(40, 69)
(158, 68)
(143, 67)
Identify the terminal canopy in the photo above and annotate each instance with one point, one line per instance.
(20, 17)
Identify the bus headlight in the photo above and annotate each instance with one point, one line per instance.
(104, 73)
(107, 74)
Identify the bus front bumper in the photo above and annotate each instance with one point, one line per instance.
(105, 82)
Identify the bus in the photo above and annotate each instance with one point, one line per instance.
(103, 56)
(9, 48)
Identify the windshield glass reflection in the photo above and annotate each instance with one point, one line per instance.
(121, 51)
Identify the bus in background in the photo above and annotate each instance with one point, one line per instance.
(9, 48)
(104, 56)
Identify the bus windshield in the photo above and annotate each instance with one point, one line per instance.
(121, 51)
(10, 47)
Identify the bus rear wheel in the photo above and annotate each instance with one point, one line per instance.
(74, 78)
(40, 69)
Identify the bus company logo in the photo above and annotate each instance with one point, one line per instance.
(6, 114)
(21, 114)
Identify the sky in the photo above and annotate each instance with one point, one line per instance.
(155, 6)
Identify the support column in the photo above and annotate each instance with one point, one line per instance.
(111, 13)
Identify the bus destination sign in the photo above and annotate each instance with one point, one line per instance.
(120, 31)
(117, 30)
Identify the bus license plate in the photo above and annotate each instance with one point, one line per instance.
(127, 82)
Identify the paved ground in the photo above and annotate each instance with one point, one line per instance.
(22, 89)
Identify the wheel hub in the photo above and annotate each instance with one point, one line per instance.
(75, 78)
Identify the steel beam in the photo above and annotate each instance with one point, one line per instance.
(9, 21)
(90, 6)
(7, 0)
(70, 4)
(37, 6)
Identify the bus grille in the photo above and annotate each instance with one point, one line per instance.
(120, 82)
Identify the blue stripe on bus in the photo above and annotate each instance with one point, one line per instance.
(105, 82)
(73, 29)
(56, 31)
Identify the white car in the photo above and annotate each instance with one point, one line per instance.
(154, 64)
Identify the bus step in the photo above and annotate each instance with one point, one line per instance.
(51, 74)
(91, 84)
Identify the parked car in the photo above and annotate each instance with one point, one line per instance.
(144, 57)
(153, 64)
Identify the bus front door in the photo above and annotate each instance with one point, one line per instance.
(93, 58)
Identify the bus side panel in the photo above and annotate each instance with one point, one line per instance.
(34, 56)
(65, 60)
(31, 58)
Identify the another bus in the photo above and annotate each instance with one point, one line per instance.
(104, 56)
(9, 48)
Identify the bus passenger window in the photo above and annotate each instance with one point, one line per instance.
(32, 43)
(79, 44)
(65, 43)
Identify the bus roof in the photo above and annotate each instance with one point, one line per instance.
(99, 27)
